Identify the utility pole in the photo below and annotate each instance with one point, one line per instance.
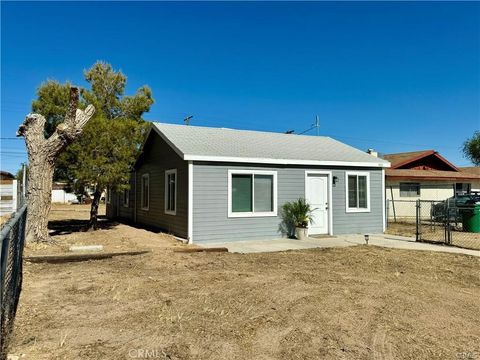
(187, 120)
(24, 181)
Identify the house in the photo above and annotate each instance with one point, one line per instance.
(8, 193)
(422, 175)
(474, 170)
(214, 184)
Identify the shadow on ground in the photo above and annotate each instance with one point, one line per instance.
(68, 226)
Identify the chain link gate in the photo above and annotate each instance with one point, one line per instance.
(443, 222)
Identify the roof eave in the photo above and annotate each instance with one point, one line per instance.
(381, 164)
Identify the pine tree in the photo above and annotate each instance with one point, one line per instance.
(104, 154)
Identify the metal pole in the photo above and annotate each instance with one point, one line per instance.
(393, 204)
(24, 181)
(447, 223)
(417, 222)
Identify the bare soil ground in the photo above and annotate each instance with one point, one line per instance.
(358, 302)
(436, 233)
(4, 219)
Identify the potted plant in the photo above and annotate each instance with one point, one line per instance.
(298, 214)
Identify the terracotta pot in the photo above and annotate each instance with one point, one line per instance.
(301, 233)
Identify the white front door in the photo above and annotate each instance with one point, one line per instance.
(316, 194)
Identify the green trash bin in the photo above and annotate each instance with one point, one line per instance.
(471, 218)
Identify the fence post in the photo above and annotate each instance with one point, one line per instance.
(447, 223)
(387, 213)
(417, 221)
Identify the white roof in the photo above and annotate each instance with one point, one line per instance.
(200, 143)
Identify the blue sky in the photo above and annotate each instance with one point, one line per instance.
(397, 76)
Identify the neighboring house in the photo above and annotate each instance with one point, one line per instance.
(211, 184)
(8, 193)
(423, 175)
(61, 193)
(474, 170)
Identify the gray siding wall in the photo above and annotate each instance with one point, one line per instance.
(125, 212)
(210, 203)
(157, 157)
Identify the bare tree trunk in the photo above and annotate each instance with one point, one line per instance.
(42, 154)
(39, 195)
(93, 223)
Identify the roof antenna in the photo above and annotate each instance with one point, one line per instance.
(187, 120)
(317, 124)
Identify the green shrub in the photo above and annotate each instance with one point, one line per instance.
(297, 213)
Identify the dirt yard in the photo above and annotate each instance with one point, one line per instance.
(358, 302)
(4, 219)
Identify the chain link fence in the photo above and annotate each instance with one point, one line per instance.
(435, 221)
(12, 239)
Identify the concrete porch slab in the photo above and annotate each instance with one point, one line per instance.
(384, 240)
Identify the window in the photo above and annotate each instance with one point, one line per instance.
(171, 192)
(462, 189)
(109, 195)
(126, 196)
(145, 191)
(358, 191)
(252, 193)
(409, 189)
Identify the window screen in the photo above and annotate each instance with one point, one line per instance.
(409, 189)
(145, 191)
(357, 192)
(126, 194)
(263, 196)
(171, 179)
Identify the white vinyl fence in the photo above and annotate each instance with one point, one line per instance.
(62, 197)
(8, 197)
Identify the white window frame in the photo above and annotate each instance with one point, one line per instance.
(169, 172)
(355, 209)
(126, 204)
(145, 176)
(232, 214)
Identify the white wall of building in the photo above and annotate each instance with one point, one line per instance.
(403, 207)
(61, 196)
(476, 185)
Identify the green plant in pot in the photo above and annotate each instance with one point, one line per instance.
(298, 214)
